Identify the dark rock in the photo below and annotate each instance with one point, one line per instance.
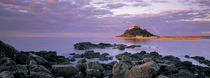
(5, 61)
(72, 53)
(72, 59)
(104, 45)
(201, 59)
(171, 60)
(183, 74)
(91, 54)
(84, 46)
(161, 76)
(133, 46)
(147, 70)
(40, 72)
(67, 71)
(77, 56)
(119, 69)
(121, 46)
(94, 69)
(119, 56)
(186, 56)
(62, 60)
(7, 50)
(107, 73)
(82, 61)
(21, 58)
(35, 59)
(105, 56)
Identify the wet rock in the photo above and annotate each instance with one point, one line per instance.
(91, 54)
(119, 56)
(105, 56)
(84, 46)
(121, 46)
(183, 74)
(94, 69)
(5, 61)
(62, 60)
(161, 76)
(171, 60)
(39, 71)
(119, 69)
(133, 46)
(7, 50)
(72, 59)
(82, 61)
(104, 45)
(146, 70)
(201, 59)
(72, 53)
(6, 74)
(107, 73)
(21, 58)
(35, 59)
(67, 71)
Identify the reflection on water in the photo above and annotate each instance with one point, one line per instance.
(134, 41)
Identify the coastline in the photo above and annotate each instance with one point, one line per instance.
(166, 37)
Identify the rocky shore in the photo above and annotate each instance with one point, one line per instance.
(47, 64)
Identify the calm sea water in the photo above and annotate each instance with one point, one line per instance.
(64, 46)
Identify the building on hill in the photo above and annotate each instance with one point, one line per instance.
(134, 26)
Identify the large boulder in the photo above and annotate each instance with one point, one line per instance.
(35, 59)
(26, 71)
(183, 74)
(94, 69)
(67, 71)
(84, 46)
(7, 50)
(146, 70)
(91, 54)
(5, 61)
(119, 69)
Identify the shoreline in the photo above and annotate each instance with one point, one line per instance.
(47, 64)
(166, 37)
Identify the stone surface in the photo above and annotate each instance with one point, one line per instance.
(146, 70)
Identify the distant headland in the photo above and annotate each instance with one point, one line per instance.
(136, 32)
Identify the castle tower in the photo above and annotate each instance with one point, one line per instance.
(134, 26)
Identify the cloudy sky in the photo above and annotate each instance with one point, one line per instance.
(102, 18)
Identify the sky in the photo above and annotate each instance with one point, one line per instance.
(102, 18)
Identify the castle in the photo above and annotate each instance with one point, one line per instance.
(134, 26)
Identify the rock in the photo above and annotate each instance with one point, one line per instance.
(72, 59)
(66, 71)
(6, 74)
(21, 58)
(7, 50)
(183, 74)
(62, 60)
(91, 54)
(72, 53)
(40, 72)
(146, 70)
(105, 56)
(82, 60)
(186, 56)
(119, 69)
(84, 46)
(119, 56)
(121, 46)
(161, 76)
(94, 69)
(5, 61)
(133, 46)
(201, 59)
(107, 73)
(169, 69)
(171, 60)
(104, 45)
(35, 59)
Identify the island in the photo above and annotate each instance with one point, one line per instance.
(136, 32)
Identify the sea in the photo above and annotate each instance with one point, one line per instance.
(64, 46)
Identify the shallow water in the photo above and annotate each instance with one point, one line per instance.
(64, 46)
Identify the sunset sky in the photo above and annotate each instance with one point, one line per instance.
(102, 18)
